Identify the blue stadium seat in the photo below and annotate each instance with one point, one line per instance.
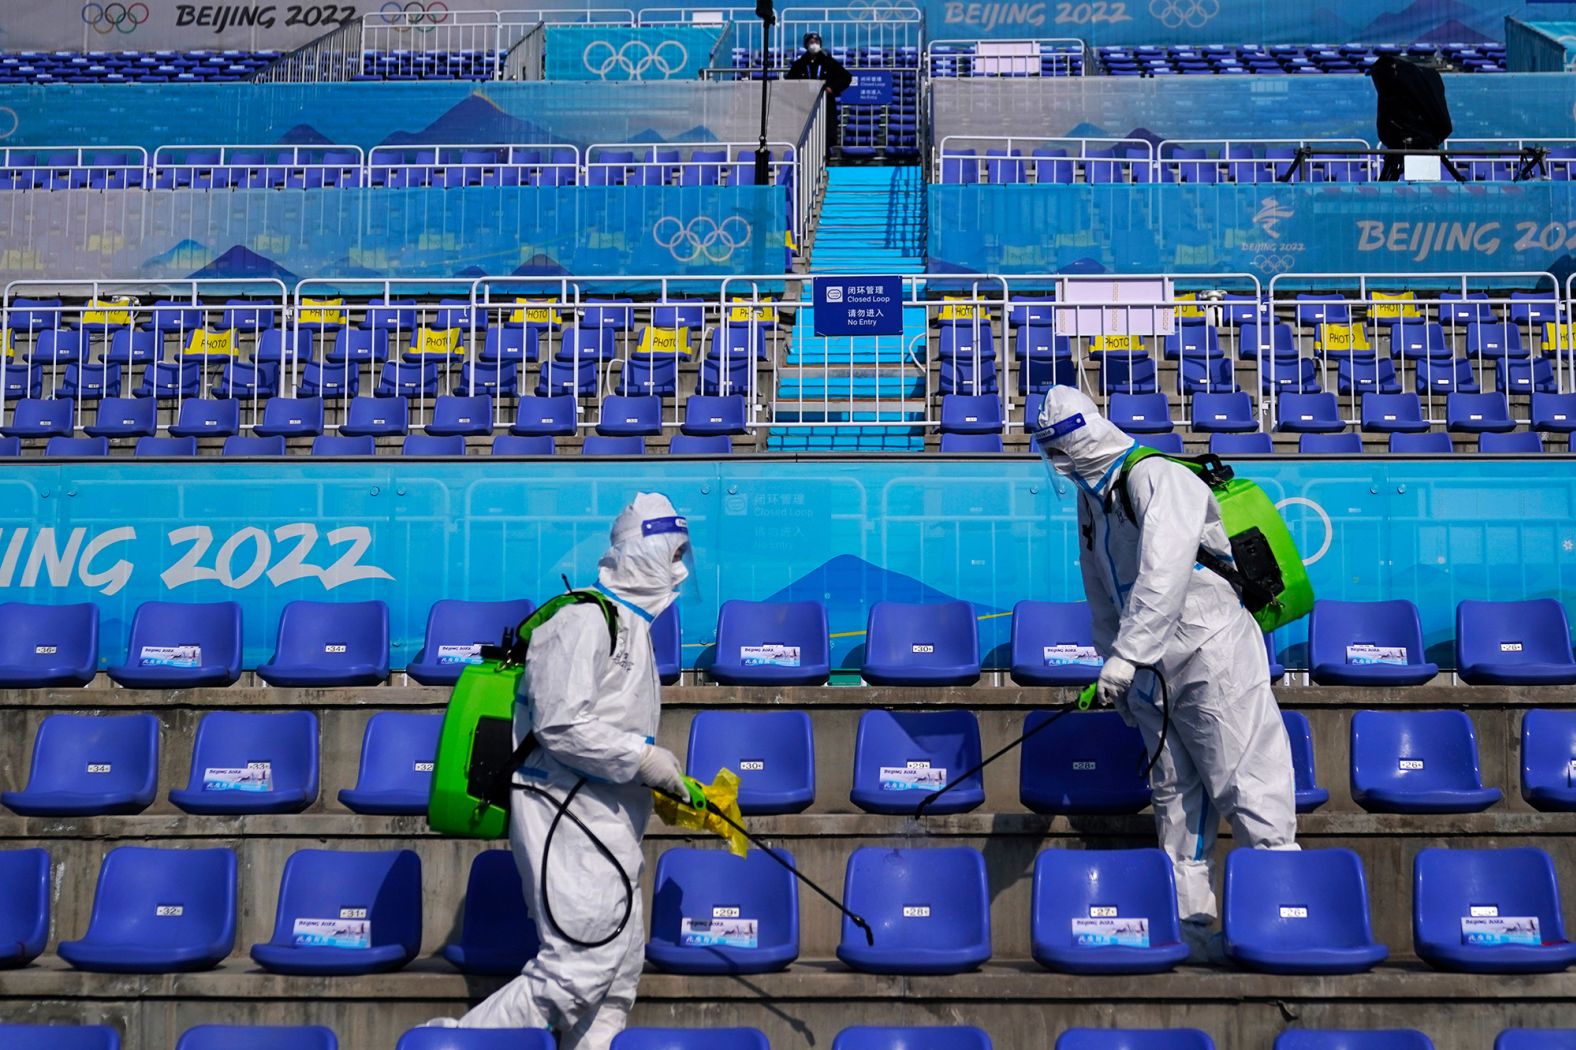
(330, 643)
(711, 890)
(546, 416)
(1548, 757)
(497, 936)
(397, 752)
(166, 446)
(1453, 885)
(1170, 444)
(320, 379)
(771, 752)
(359, 345)
(577, 378)
(1141, 413)
(47, 645)
(257, 1037)
(630, 416)
(460, 416)
(59, 1037)
(66, 447)
(1310, 796)
(1356, 643)
(499, 379)
(180, 645)
(666, 645)
(1053, 644)
(1393, 414)
(1406, 761)
(1289, 375)
(1223, 414)
(170, 380)
(1526, 377)
(1266, 341)
(1495, 340)
(1416, 340)
(124, 417)
(937, 1037)
(929, 910)
(649, 375)
(18, 381)
(1298, 912)
(1477, 413)
(1087, 762)
(453, 626)
(1514, 643)
(1536, 1039)
(783, 643)
(24, 906)
(1075, 889)
(1127, 374)
(292, 417)
(159, 911)
(516, 445)
(705, 415)
(1355, 1039)
(240, 446)
(129, 346)
(696, 445)
(1193, 340)
(89, 382)
(1198, 375)
(372, 901)
(247, 380)
(515, 344)
(1554, 413)
(40, 417)
(284, 349)
(1347, 444)
(405, 379)
(90, 765)
(342, 445)
(901, 756)
(1445, 376)
(690, 1039)
(1301, 413)
(206, 417)
(1257, 443)
(924, 644)
(1433, 444)
(10, 447)
(477, 1038)
(971, 414)
(965, 375)
(734, 376)
(57, 346)
(251, 762)
(1134, 1039)
(375, 417)
(1370, 375)
(1517, 443)
(1314, 309)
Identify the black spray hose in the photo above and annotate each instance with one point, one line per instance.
(601, 847)
(919, 811)
(857, 920)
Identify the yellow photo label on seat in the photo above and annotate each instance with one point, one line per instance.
(1343, 337)
(212, 344)
(664, 341)
(1118, 342)
(322, 311)
(437, 341)
(534, 311)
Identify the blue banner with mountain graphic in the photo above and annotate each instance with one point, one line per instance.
(843, 533)
(1262, 229)
(468, 232)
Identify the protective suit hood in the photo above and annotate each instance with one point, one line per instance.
(644, 565)
(1077, 442)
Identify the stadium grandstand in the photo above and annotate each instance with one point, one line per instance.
(334, 337)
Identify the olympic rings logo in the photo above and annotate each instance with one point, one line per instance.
(879, 10)
(1174, 14)
(635, 58)
(114, 17)
(1274, 262)
(701, 236)
(414, 14)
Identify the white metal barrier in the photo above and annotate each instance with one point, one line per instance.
(1256, 160)
(72, 167)
(1048, 57)
(257, 167)
(445, 165)
(959, 159)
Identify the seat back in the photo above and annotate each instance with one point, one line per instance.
(704, 884)
(1073, 885)
(1536, 1038)
(165, 898)
(1414, 751)
(690, 1039)
(1356, 632)
(605, 445)
(48, 637)
(1290, 900)
(903, 754)
(1085, 762)
(344, 445)
(929, 1037)
(496, 932)
(1300, 735)
(456, 630)
(1519, 443)
(397, 752)
(383, 885)
(783, 635)
(704, 414)
(477, 1038)
(237, 445)
(166, 446)
(922, 636)
(1548, 749)
(96, 754)
(212, 628)
(452, 410)
(1359, 1039)
(1134, 1039)
(1535, 631)
(1256, 443)
(333, 634)
(76, 446)
(771, 752)
(1348, 444)
(298, 415)
(257, 1037)
(24, 903)
(1421, 444)
(933, 898)
(59, 1037)
(1451, 884)
(243, 751)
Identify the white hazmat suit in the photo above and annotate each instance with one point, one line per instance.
(1156, 609)
(595, 717)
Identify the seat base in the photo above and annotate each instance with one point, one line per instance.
(1358, 959)
(384, 803)
(1463, 801)
(134, 958)
(910, 676)
(1030, 675)
(15, 677)
(224, 802)
(904, 803)
(137, 677)
(73, 804)
(1088, 803)
(1310, 799)
(1158, 958)
(1518, 674)
(728, 674)
(1505, 958)
(309, 677)
(675, 959)
(939, 962)
(339, 962)
(1372, 674)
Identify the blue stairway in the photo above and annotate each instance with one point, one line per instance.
(872, 223)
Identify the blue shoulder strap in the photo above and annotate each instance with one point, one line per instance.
(631, 606)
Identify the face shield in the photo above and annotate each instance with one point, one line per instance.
(1058, 463)
(677, 528)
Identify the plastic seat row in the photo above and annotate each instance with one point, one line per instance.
(333, 445)
(131, 67)
(234, 1037)
(1102, 912)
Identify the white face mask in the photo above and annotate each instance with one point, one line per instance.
(814, 49)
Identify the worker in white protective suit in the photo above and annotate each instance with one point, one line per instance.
(595, 715)
(1157, 611)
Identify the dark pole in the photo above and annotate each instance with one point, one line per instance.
(763, 156)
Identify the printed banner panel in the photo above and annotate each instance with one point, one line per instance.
(1260, 229)
(844, 534)
(617, 53)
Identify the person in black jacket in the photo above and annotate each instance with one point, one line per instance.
(1413, 113)
(816, 63)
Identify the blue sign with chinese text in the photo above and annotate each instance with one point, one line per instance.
(859, 306)
(870, 87)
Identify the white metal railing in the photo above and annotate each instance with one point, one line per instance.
(405, 43)
(526, 60)
(73, 167)
(1560, 162)
(857, 36)
(334, 57)
(474, 164)
(1042, 159)
(702, 15)
(1256, 160)
(1048, 57)
(257, 167)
